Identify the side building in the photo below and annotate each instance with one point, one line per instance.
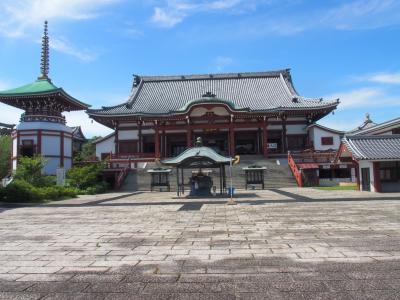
(375, 153)
(234, 113)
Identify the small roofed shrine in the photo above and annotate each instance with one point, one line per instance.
(199, 157)
(42, 129)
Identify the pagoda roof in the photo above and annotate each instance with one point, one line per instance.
(271, 91)
(40, 88)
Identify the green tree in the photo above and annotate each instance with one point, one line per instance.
(30, 170)
(5, 155)
(88, 151)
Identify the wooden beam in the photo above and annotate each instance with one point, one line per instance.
(265, 137)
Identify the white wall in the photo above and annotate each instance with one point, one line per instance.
(67, 146)
(51, 145)
(127, 134)
(296, 129)
(105, 146)
(317, 133)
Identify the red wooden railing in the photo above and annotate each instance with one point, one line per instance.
(121, 177)
(314, 157)
(295, 170)
(131, 155)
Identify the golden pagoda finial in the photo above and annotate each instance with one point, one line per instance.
(44, 62)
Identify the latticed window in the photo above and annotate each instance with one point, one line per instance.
(327, 141)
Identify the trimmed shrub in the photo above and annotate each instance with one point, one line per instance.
(87, 178)
(22, 191)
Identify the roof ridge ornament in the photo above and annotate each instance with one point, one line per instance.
(44, 62)
(209, 95)
(199, 142)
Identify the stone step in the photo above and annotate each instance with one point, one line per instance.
(277, 175)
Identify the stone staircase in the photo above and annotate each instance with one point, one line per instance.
(130, 183)
(277, 175)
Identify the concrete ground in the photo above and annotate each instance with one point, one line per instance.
(275, 244)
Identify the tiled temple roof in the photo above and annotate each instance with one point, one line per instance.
(257, 91)
(376, 147)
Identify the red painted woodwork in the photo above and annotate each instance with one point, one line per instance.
(39, 142)
(284, 137)
(189, 136)
(62, 149)
(116, 140)
(377, 177)
(231, 139)
(265, 138)
(157, 142)
(140, 147)
(295, 170)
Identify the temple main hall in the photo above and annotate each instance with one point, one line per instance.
(233, 113)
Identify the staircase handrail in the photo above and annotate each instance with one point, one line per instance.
(121, 177)
(295, 170)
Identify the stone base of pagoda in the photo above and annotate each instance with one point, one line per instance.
(51, 140)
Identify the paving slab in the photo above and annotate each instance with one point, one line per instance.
(275, 244)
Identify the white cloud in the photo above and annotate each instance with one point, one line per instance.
(90, 127)
(175, 11)
(353, 15)
(167, 18)
(364, 97)
(9, 114)
(363, 14)
(64, 46)
(388, 78)
(4, 85)
(221, 62)
(20, 16)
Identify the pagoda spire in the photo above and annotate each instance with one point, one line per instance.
(44, 62)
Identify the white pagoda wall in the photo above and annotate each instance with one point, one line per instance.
(50, 135)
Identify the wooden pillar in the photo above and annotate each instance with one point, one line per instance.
(163, 144)
(140, 144)
(265, 137)
(231, 137)
(357, 169)
(157, 141)
(177, 181)
(39, 142)
(116, 140)
(62, 149)
(188, 136)
(377, 177)
(284, 136)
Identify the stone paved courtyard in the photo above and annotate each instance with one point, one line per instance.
(275, 244)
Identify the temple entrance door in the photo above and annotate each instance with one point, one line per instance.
(365, 178)
(216, 140)
(176, 144)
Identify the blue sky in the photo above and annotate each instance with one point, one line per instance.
(336, 49)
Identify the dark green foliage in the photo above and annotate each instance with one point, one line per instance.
(30, 170)
(87, 178)
(88, 151)
(22, 191)
(5, 155)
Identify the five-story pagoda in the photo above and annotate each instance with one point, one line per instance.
(42, 129)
